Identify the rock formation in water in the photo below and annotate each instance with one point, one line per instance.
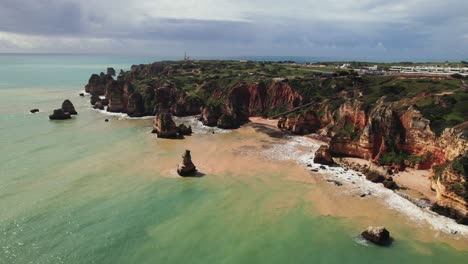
(59, 114)
(33, 111)
(164, 126)
(377, 235)
(186, 166)
(68, 107)
(323, 156)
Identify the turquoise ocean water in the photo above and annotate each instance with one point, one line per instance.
(87, 191)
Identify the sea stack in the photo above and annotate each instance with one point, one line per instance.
(377, 235)
(68, 107)
(164, 126)
(186, 167)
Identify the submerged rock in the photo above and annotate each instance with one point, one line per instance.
(186, 167)
(59, 114)
(164, 126)
(33, 111)
(377, 235)
(82, 94)
(323, 156)
(68, 107)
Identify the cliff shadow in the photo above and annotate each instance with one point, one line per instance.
(274, 133)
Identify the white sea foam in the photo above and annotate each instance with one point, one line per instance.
(197, 125)
(122, 116)
(355, 183)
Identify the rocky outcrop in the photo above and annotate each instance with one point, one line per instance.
(184, 130)
(377, 235)
(186, 166)
(210, 115)
(390, 184)
(228, 121)
(450, 183)
(97, 84)
(187, 106)
(94, 98)
(135, 106)
(164, 126)
(98, 105)
(110, 71)
(114, 93)
(59, 114)
(33, 111)
(323, 156)
(68, 107)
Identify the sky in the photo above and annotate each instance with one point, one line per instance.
(351, 29)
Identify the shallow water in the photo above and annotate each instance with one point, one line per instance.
(89, 191)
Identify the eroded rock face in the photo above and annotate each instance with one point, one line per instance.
(94, 98)
(187, 106)
(68, 107)
(97, 84)
(135, 106)
(114, 93)
(450, 183)
(59, 114)
(377, 235)
(164, 126)
(186, 167)
(210, 115)
(323, 156)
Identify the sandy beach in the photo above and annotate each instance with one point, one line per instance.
(346, 200)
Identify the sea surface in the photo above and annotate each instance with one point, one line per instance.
(88, 191)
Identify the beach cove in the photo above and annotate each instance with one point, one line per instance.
(87, 191)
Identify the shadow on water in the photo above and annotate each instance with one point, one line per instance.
(197, 175)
